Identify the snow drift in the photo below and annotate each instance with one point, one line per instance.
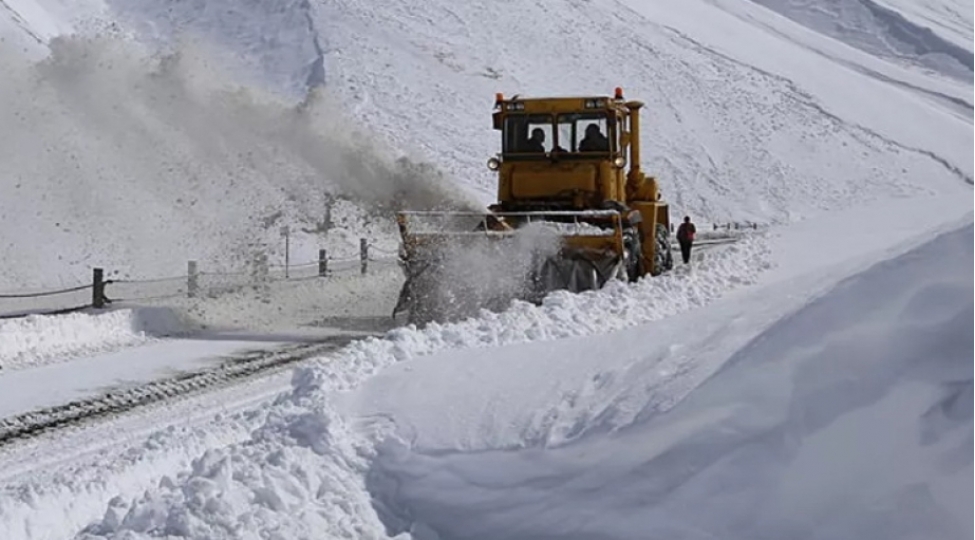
(851, 418)
(303, 472)
(40, 339)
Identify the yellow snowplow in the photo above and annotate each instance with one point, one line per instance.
(573, 212)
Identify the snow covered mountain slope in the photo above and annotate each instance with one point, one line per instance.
(277, 42)
(730, 136)
(883, 32)
(950, 19)
(138, 163)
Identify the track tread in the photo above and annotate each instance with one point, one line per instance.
(31, 424)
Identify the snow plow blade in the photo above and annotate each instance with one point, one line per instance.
(457, 263)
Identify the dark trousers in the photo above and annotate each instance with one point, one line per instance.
(685, 250)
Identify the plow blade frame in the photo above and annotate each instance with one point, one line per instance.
(591, 250)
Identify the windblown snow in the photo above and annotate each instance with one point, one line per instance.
(139, 163)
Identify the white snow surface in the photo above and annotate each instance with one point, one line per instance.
(951, 19)
(336, 461)
(189, 137)
(38, 339)
(783, 386)
(93, 375)
(847, 418)
(884, 32)
(28, 26)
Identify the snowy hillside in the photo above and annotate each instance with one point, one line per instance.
(137, 162)
(887, 33)
(950, 19)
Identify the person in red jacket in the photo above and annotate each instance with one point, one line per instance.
(685, 237)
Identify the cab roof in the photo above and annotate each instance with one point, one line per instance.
(559, 104)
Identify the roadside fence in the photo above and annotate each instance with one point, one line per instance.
(258, 275)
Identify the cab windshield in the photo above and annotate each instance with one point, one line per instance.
(576, 134)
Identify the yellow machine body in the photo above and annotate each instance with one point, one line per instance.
(573, 162)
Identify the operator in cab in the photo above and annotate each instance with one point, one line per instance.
(594, 141)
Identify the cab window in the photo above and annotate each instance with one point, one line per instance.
(584, 132)
(527, 134)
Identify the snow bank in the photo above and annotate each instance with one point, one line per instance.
(850, 418)
(41, 339)
(122, 457)
(567, 388)
(304, 471)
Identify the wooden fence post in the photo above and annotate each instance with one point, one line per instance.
(364, 254)
(322, 262)
(261, 273)
(98, 288)
(192, 282)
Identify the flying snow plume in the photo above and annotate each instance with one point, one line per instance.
(472, 271)
(118, 156)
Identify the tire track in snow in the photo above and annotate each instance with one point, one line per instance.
(28, 425)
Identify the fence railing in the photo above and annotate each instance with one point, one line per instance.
(197, 283)
(102, 290)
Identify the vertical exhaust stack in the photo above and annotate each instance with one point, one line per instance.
(634, 107)
(638, 186)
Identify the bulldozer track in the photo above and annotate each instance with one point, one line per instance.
(31, 424)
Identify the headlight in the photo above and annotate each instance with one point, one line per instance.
(620, 162)
(494, 164)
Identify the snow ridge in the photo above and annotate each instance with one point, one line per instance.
(847, 418)
(878, 30)
(40, 339)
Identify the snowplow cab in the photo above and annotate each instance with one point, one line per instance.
(566, 164)
(578, 153)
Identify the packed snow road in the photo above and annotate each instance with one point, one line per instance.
(115, 401)
(57, 369)
(72, 369)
